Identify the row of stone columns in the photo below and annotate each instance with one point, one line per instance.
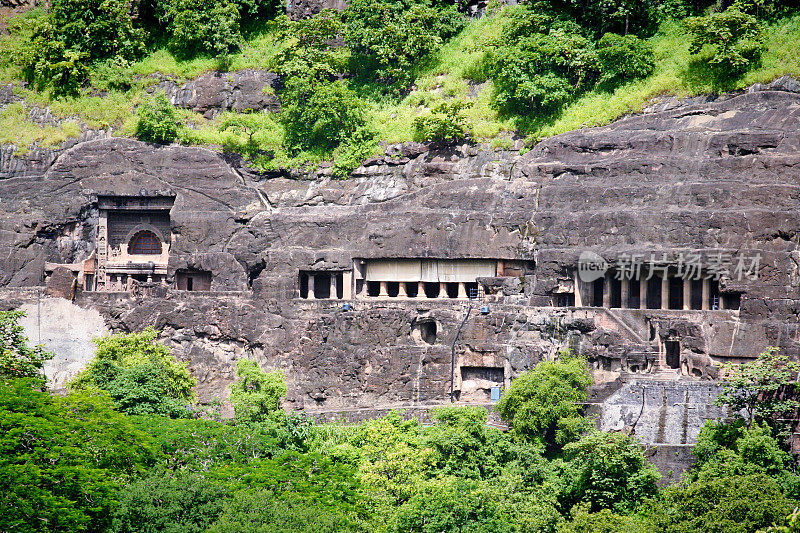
(403, 292)
(625, 285)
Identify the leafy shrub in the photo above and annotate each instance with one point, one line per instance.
(612, 471)
(157, 120)
(445, 123)
(177, 503)
(542, 72)
(253, 10)
(62, 459)
(733, 39)
(141, 375)
(639, 17)
(255, 394)
(624, 58)
(349, 156)
(542, 404)
(203, 27)
(17, 359)
(388, 37)
(113, 74)
(320, 116)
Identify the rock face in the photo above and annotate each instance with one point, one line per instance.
(708, 178)
(214, 92)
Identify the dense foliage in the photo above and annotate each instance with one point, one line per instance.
(63, 459)
(140, 375)
(543, 405)
(76, 463)
(380, 70)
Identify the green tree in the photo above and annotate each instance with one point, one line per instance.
(309, 48)
(731, 41)
(157, 120)
(726, 504)
(624, 58)
(256, 394)
(141, 375)
(604, 521)
(450, 505)
(292, 493)
(540, 73)
(764, 389)
(543, 404)
(178, 503)
(63, 459)
(611, 472)
(17, 359)
(394, 458)
(389, 37)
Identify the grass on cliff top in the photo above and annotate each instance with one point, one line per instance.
(452, 73)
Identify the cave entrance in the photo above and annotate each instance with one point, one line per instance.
(673, 352)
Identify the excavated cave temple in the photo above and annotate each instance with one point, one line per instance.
(659, 247)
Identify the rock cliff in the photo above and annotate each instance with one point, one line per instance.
(704, 177)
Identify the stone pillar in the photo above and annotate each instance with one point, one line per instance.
(576, 283)
(687, 294)
(624, 292)
(665, 292)
(420, 289)
(383, 292)
(607, 290)
(333, 286)
(442, 289)
(462, 290)
(347, 285)
(706, 294)
(642, 292)
(401, 292)
(311, 278)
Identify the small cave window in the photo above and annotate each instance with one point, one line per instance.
(597, 292)
(615, 288)
(731, 301)
(145, 243)
(428, 331)
(564, 299)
